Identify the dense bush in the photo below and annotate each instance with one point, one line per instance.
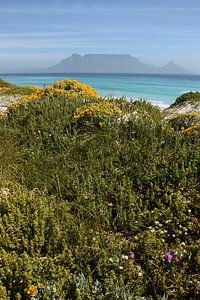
(98, 212)
(4, 84)
(190, 97)
(76, 89)
(69, 89)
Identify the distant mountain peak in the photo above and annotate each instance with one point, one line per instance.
(172, 68)
(171, 63)
(76, 55)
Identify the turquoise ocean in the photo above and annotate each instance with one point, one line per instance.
(161, 90)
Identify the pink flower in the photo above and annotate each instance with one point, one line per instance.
(178, 260)
(110, 205)
(131, 255)
(169, 257)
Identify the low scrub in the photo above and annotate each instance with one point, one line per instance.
(4, 84)
(99, 200)
(190, 97)
(18, 90)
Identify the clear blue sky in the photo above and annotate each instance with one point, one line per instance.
(37, 33)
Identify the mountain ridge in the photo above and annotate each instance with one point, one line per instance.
(110, 63)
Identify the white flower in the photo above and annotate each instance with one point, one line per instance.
(4, 192)
(110, 259)
(125, 257)
(167, 221)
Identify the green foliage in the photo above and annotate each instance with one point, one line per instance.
(97, 212)
(4, 84)
(190, 97)
(19, 90)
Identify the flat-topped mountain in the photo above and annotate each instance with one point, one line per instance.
(110, 63)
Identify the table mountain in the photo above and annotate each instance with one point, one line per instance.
(110, 63)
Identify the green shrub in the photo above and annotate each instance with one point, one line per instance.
(50, 248)
(98, 212)
(19, 90)
(190, 97)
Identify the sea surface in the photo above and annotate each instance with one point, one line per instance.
(161, 90)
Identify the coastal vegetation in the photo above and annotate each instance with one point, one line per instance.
(17, 90)
(99, 198)
(190, 97)
(4, 84)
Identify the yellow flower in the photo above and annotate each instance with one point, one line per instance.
(1, 115)
(189, 129)
(100, 109)
(32, 290)
(72, 89)
(75, 89)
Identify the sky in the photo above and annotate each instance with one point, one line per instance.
(36, 34)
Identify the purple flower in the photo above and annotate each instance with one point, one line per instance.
(110, 205)
(178, 260)
(169, 257)
(131, 255)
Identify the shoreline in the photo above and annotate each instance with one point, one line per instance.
(157, 89)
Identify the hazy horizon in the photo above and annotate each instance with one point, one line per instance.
(34, 69)
(37, 34)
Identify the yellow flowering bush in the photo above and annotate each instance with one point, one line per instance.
(72, 89)
(24, 100)
(75, 89)
(96, 113)
(184, 122)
